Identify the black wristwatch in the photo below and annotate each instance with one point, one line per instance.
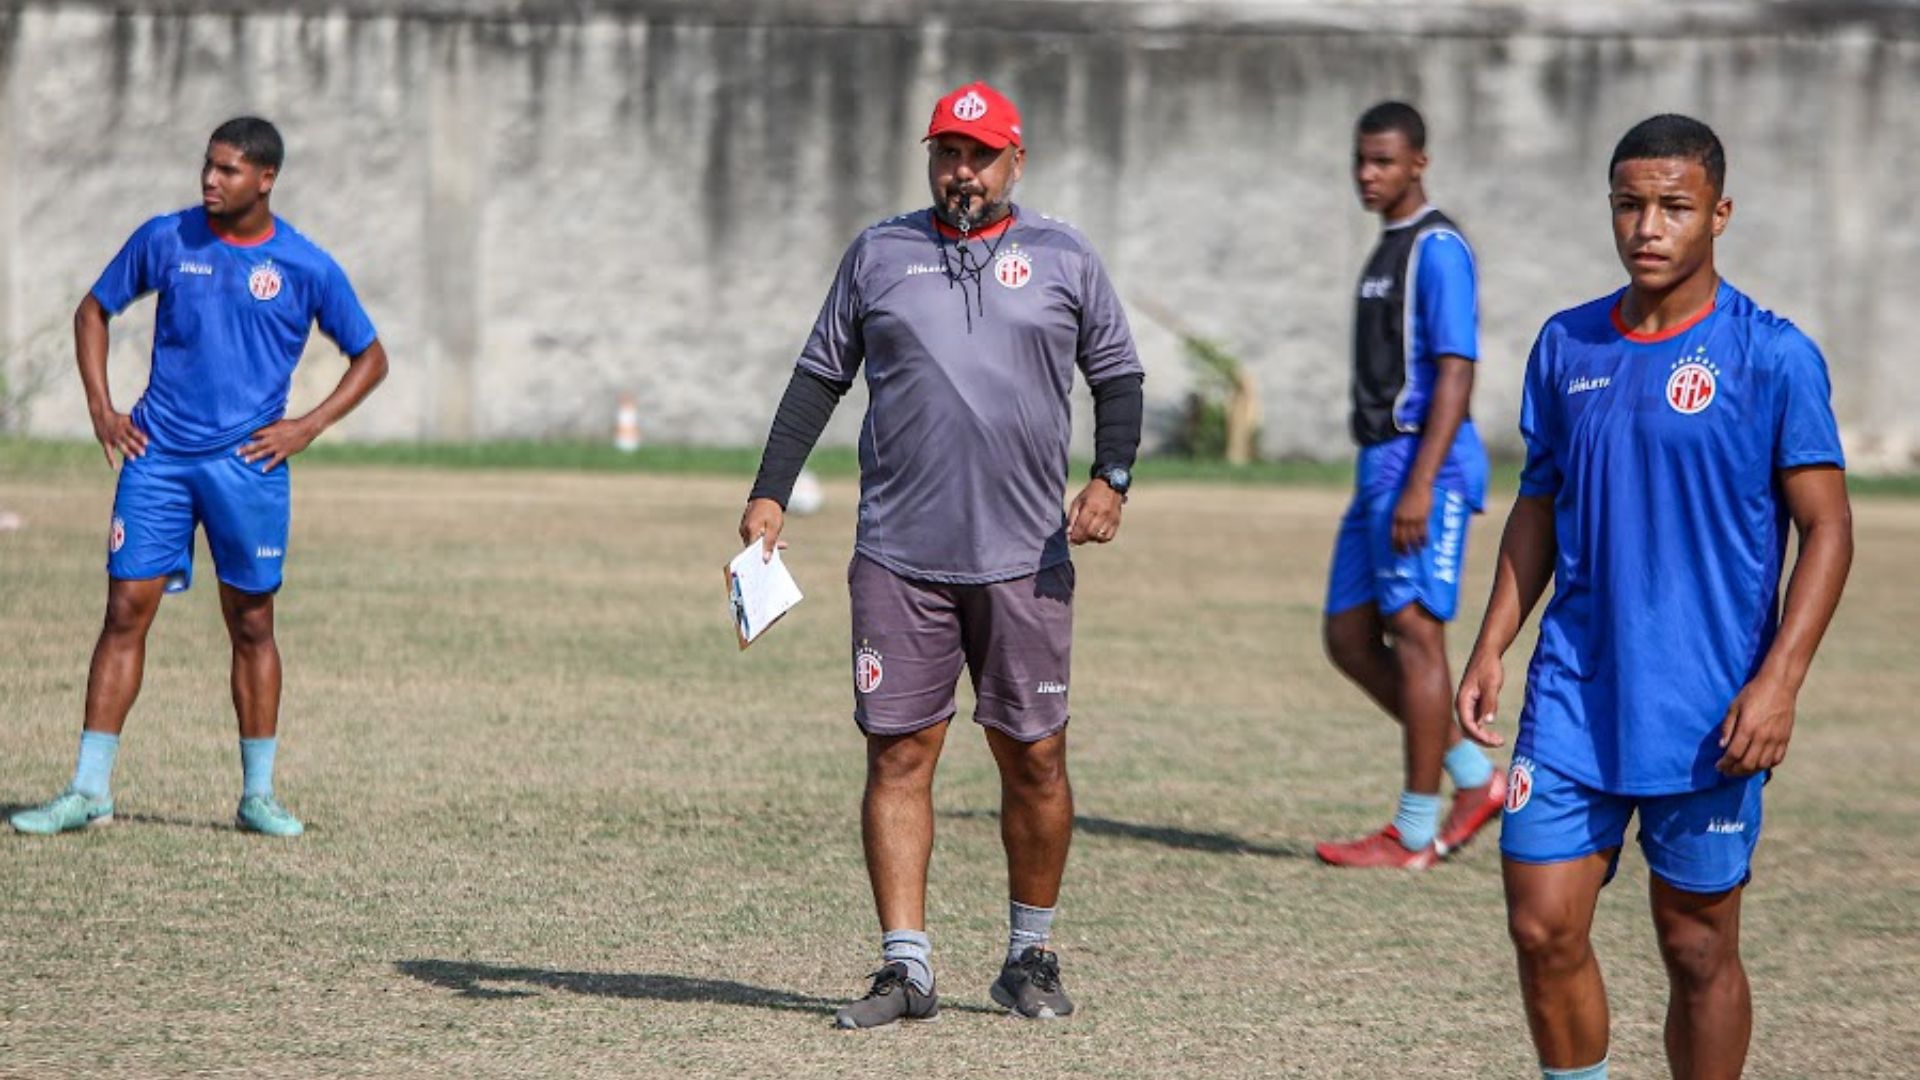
(1117, 478)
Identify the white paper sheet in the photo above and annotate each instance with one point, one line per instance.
(760, 591)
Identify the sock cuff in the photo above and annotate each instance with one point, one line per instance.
(98, 737)
(1597, 1071)
(1421, 801)
(267, 741)
(906, 937)
(1019, 908)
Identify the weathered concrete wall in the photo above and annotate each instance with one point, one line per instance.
(544, 205)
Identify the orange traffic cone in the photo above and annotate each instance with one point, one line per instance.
(626, 425)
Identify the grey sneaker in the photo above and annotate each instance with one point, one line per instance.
(1030, 986)
(264, 814)
(893, 997)
(67, 810)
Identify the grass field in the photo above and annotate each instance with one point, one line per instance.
(559, 826)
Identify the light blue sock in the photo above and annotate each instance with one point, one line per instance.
(93, 772)
(1417, 819)
(1591, 1072)
(1028, 926)
(914, 949)
(1467, 765)
(256, 766)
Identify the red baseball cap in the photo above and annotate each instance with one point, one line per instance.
(977, 111)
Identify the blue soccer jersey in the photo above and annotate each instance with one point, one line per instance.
(1662, 454)
(232, 322)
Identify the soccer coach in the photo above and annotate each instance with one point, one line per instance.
(969, 318)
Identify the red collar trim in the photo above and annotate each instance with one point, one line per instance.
(251, 242)
(986, 233)
(1674, 331)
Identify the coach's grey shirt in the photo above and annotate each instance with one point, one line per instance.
(963, 453)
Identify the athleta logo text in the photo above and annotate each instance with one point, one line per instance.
(1375, 288)
(1584, 385)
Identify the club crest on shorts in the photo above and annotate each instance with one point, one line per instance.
(1694, 382)
(867, 670)
(970, 107)
(1013, 269)
(264, 282)
(1519, 785)
(117, 536)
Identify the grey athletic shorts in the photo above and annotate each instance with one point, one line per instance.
(910, 639)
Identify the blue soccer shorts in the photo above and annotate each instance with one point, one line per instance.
(1367, 569)
(162, 497)
(1696, 841)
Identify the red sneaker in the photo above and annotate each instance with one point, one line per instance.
(1382, 849)
(1472, 809)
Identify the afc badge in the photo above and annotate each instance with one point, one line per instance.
(1013, 269)
(1694, 382)
(970, 107)
(867, 671)
(117, 536)
(264, 282)
(1519, 785)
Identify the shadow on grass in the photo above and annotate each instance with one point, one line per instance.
(1213, 843)
(470, 980)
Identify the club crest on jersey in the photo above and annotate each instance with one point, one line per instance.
(1013, 269)
(1519, 785)
(867, 670)
(1694, 382)
(970, 107)
(264, 282)
(117, 536)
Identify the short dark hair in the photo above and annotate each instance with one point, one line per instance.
(1395, 116)
(1671, 135)
(257, 140)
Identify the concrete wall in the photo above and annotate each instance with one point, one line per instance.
(545, 205)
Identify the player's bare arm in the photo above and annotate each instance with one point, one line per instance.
(114, 429)
(1446, 410)
(282, 439)
(1525, 566)
(1760, 722)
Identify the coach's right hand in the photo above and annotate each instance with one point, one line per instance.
(1479, 698)
(116, 431)
(763, 520)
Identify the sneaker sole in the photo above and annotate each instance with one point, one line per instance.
(895, 1022)
(90, 823)
(241, 825)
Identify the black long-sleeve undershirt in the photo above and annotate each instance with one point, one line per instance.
(803, 414)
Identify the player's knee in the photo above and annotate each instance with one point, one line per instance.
(902, 763)
(1697, 953)
(1347, 649)
(251, 627)
(1419, 640)
(1545, 942)
(128, 615)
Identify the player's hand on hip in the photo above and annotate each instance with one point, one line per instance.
(1410, 516)
(762, 520)
(1757, 727)
(277, 442)
(1094, 515)
(1477, 704)
(116, 431)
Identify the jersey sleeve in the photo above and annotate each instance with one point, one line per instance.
(1447, 296)
(1105, 349)
(134, 272)
(1539, 423)
(340, 315)
(837, 346)
(1805, 432)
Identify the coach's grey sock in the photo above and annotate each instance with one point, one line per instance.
(914, 949)
(1028, 926)
(1591, 1072)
